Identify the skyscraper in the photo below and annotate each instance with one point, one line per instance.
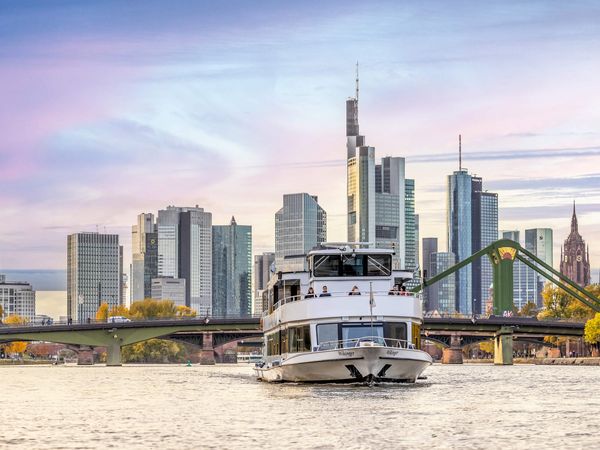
(232, 269)
(144, 260)
(17, 298)
(472, 222)
(300, 225)
(185, 251)
(262, 274)
(392, 207)
(540, 242)
(380, 209)
(574, 257)
(94, 273)
(445, 289)
(430, 246)
(460, 243)
(168, 288)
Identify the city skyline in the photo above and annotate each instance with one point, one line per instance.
(92, 138)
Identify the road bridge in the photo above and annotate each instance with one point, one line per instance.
(113, 336)
(451, 332)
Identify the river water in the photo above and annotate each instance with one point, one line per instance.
(178, 407)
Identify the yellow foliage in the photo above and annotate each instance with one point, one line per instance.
(152, 309)
(487, 347)
(592, 330)
(104, 313)
(15, 347)
(16, 320)
(185, 311)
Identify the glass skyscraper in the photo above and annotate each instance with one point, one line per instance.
(264, 266)
(144, 258)
(444, 291)
(429, 246)
(185, 251)
(232, 270)
(300, 225)
(460, 235)
(472, 220)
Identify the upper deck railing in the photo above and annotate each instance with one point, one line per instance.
(329, 295)
(367, 341)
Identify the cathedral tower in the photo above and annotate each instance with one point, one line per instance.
(574, 257)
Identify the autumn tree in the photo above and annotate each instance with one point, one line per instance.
(592, 331)
(185, 311)
(529, 309)
(104, 312)
(152, 309)
(17, 346)
(16, 320)
(155, 351)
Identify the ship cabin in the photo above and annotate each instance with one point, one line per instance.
(346, 294)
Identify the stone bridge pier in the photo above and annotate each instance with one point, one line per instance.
(453, 354)
(503, 346)
(207, 354)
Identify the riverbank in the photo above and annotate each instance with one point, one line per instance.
(568, 362)
(25, 362)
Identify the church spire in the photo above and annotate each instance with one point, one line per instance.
(574, 220)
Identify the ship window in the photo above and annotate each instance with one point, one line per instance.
(299, 339)
(395, 330)
(327, 332)
(284, 342)
(273, 343)
(379, 265)
(326, 266)
(353, 265)
(359, 330)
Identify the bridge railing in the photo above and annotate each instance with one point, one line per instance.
(90, 321)
(333, 294)
(367, 341)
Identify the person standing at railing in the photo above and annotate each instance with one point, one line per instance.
(394, 290)
(354, 291)
(403, 290)
(324, 292)
(310, 293)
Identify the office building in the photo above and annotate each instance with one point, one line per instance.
(380, 200)
(168, 288)
(94, 274)
(430, 246)
(264, 267)
(444, 291)
(144, 261)
(300, 226)
(574, 256)
(472, 224)
(540, 242)
(17, 298)
(185, 251)
(232, 270)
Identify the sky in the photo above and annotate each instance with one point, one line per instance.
(109, 109)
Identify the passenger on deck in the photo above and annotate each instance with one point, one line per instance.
(403, 290)
(324, 292)
(354, 291)
(394, 290)
(310, 293)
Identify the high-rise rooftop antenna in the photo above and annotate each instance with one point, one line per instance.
(459, 153)
(357, 81)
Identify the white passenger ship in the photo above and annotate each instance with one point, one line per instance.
(347, 319)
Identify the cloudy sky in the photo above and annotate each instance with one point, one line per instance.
(109, 109)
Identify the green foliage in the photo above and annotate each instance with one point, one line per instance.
(155, 351)
(592, 330)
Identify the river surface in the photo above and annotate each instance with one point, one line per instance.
(224, 407)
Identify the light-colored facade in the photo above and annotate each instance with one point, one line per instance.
(391, 209)
(528, 284)
(300, 225)
(445, 289)
(94, 274)
(167, 288)
(264, 267)
(185, 251)
(17, 298)
(488, 230)
(232, 270)
(144, 258)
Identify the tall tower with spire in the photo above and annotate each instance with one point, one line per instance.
(360, 177)
(574, 256)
